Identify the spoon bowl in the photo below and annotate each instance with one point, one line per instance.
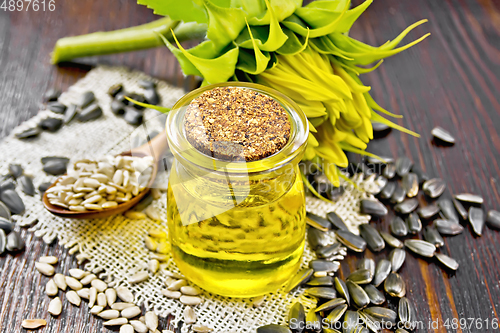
(155, 148)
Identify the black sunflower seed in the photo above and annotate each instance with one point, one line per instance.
(316, 238)
(342, 290)
(146, 84)
(358, 295)
(422, 176)
(382, 314)
(14, 242)
(56, 107)
(318, 222)
(366, 263)
(324, 281)
(372, 237)
(493, 219)
(403, 166)
(330, 304)
(91, 112)
(313, 320)
(399, 195)
(12, 200)
(351, 241)
(27, 185)
(398, 227)
(3, 241)
(388, 190)
(460, 208)
(334, 193)
(51, 95)
(321, 292)
(70, 113)
(470, 198)
(6, 225)
(373, 207)
(15, 170)
(351, 320)
(397, 258)
(55, 167)
(406, 313)
(297, 318)
(394, 285)
(326, 252)
(414, 224)
(410, 184)
(361, 276)
(29, 133)
(380, 127)
(7, 184)
(382, 271)
(407, 206)
(136, 97)
(434, 187)
(43, 187)
(401, 330)
(322, 265)
(151, 96)
(389, 171)
(442, 135)
(371, 323)
(391, 240)
(447, 261)
(375, 295)
(54, 158)
(449, 212)
(117, 107)
(432, 236)
(448, 228)
(336, 314)
(421, 247)
(85, 99)
(273, 328)
(115, 89)
(51, 124)
(428, 212)
(336, 221)
(476, 219)
(300, 278)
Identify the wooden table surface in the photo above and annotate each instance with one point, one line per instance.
(452, 79)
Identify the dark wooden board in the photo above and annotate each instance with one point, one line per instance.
(452, 80)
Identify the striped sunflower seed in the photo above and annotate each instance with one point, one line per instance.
(372, 237)
(274, 328)
(477, 220)
(316, 238)
(434, 187)
(330, 304)
(470, 198)
(366, 263)
(389, 171)
(358, 295)
(410, 184)
(321, 292)
(55, 307)
(391, 240)
(447, 261)
(351, 320)
(351, 241)
(336, 314)
(342, 290)
(428, 212)
(327, 252)
(297, 317)
(421, 247)
(397, 258)
(382, 271)
(382, 314)
(388, 190)
(300, 278)
(398, 227)
(318, 222)
(322, 265)
(361, 276)
(373, 207)
(399, 195)
(394, 285)
(448, 228)
(336, 221)
(403, 166)
(449, 212)
(406, 313)
(460, 209)
(371, 323)
(432, 236)
(375, 295)
(442, 135)
(407, 206)
(320, 281)
(413, 223)
(493, 219)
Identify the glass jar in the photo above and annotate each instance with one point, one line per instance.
(237, 228)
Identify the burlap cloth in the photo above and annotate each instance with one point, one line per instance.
(114, 247)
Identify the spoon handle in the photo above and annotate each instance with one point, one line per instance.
(155, 148)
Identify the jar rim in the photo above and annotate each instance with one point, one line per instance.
(185, 152)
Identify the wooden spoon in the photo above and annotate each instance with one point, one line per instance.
(155, 148)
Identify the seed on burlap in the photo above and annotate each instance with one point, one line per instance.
(190, 300)
(318, 222)
(138, 277)
(300, 278)
(73, 298)
(258, 301)
(131, 312)
(190, 291)
(55, 307)
(201, 328)
(151, 320)
(189, 315)
(99, 285)
(51, 288)
(171, 294)
(125, 294)
(45, 269)
(336, 221)
(33, 324)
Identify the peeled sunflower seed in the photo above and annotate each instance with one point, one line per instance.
(397, 258)
(125, 294)
(274, 328)
(361, 276)
(120, 306)
(375, 295)
(407, 206)
(476, 219)
(432, 236)
(342, 290)
(366, 263)
(421, 247)
(351, 241)
(177, 285)
(399, 195)
(442, 135)
(55, 307)
(73, 283)
(493, 219)
(398, 227)
(401, 330)
(127, 328)
(406, 313)
(434, 187)
(190, 315)
(116, 322)
(321, 292)
(414, 224)
(171, 294)
(372, 237)
(447, 261)
(388, 190)
(73, 298)
(403, 166)
(101, 300)
(84, 293)
(151, 320)
(382, 271)
(428, 212)
(33, 324)
(410, 184)
(138, 277)
(373, 207)
(336, 221)
(449, 212)
(394, 285)
(358, 295)
(48, 259)
(51, 288)
(382, 314)
(448, 228)
(470, 198)
(60, 281)
(45, 269)
(391, 240)
(110, 296)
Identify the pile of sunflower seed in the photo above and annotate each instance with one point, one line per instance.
(97, 185)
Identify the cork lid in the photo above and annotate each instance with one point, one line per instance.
(232, 123)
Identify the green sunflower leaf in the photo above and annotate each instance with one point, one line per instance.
(294, 44)
(186, 10)
(282, 9)
(224, 24)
